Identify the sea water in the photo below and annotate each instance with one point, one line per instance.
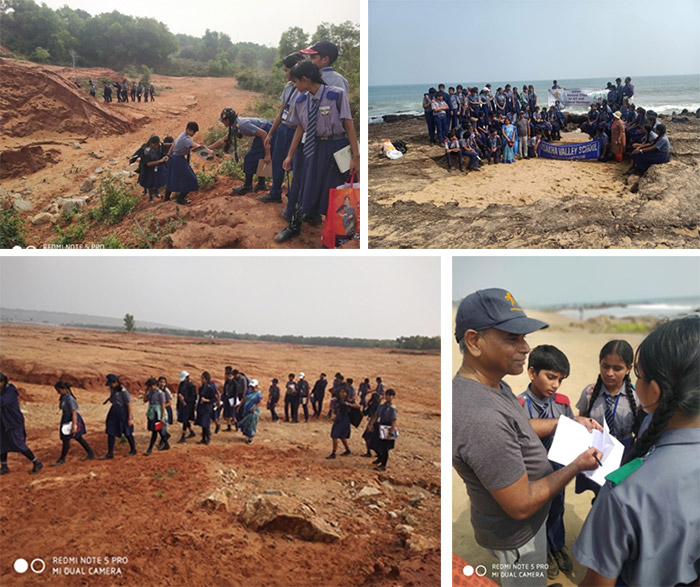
(663, 94)
(661, 308)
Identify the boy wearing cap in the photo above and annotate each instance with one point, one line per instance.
(496, 450)
(323, 55)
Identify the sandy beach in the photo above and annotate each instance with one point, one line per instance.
(581, 347)
(542, 203)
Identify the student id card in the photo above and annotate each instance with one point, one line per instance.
(343, 158)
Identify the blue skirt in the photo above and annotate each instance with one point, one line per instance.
(321, 174)
(65, 418)
(155, 177)
(181, 178)
(341, 426)
(185, 413)
(118, 421)
(378, 444)
(204, 414)
(14, 440)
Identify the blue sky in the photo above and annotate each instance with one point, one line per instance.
(416, 42)
(555, 280)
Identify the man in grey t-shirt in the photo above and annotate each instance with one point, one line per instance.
(495, 448)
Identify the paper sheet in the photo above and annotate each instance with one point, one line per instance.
(572, 438)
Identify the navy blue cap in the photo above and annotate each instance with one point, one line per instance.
(493, 308)
(111, 378)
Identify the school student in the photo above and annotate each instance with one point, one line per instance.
(494, 148)
(323, 55)
(205, 405)
(13, 436)
(364, 390)
(291, 399)
(385, 432)
(547, 367)
(428, 113)
(440, 108)
(659, 151)
(643, 527)
(322, 115)
(318, 393)
(239, 127)
(181, 178)
(280, 135)
(273, 399)
(369, 410)
(168, 406)
(303, 391)
(452, 147)
(228, 397)
(186, 401)
(154, 170)
(72, 425)
(250, 412)
(120, 420)
(341, 424)
(93, 90)
(155, 414)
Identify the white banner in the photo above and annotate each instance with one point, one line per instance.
(576, 96)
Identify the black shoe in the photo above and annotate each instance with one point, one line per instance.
(166, 446)
(249, 441)
(242, 190)
(4, 470)
(58, 463)
(268, 199)
(182, 440)
(367, 454)
(228, 428)
(131, 453)
(376, 461)
(552, 568)
(203, 441)
(345, 453)
(261, 186)
(380, 468)
(106, 457)
(36, 468)
(461, 167)
(564, 561)
(190, 435)
(218, 427)
(182, 201)
(285, 235)
(313, 219)
(148, 452)
(89, 457)
(331, 456)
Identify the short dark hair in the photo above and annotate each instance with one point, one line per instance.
(192, 126)
(306, 69)
(292, 59)
(206, 376)
(151, 382)
(350, 380)
(546, 356)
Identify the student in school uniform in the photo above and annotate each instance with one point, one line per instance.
(470, 149)
(280, 135)
(139, 91)
(440, 114)
(205, 407)
(658, 152)
(168, 406)
(428, 113)
(323, 54)
(155, 414)
(120, 419)
(228, 397)
(93, 90)
(628, 89)
(152, 92)
(380, 388)
(13, 436)
(369, 410)
(500, 102)
(453, 103)
(303, 391)
(461, 101)
(384, 433)
(363, 391)
(186, 401)
(72, 425)
(181, 178)
(154, 170)
(322, 115)
(643, 527)
(547, 367)
(452, 148)
(216, 407)
(611, 399)
(318, 393)
(493, 151)
(291, 400)
(273, 399)
(341, 424)
(239, 127)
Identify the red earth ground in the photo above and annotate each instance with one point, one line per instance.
(148, 510)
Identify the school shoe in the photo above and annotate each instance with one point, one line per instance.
(4, 470)
(313, 219)
(345, 453)
(89, 456)
(261, 186)
(182, 440)
(449, 169)
(564, 561)
(376, 461)
(190, 435)
(242, 190)
(367, 454)
(331, 456)
(58, 463)
(106, 457)
(249, 441)
(284, 236)
(461, 167)
(228, 428)
(182, 201)
(218, 427)
(166, 446)
(552, 568)
(131, 453)
(268, 199)
(380, 468)
(148, 452)
(36, 468)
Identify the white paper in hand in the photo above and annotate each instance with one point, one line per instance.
(572, 438)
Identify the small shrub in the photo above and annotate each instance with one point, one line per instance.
(72, 235)
(111, 242)
(117, 200)
(11, 229)
(214, 134)
(230, 168)
(206, 180)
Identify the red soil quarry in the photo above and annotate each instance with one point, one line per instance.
(179, 517)
(41, 106)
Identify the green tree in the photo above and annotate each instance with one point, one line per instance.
(41, 55)
(129, 322)
(293, 39)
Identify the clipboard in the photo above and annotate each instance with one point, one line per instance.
(264, 170)
(343, 158)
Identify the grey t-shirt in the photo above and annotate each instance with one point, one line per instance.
(493, 445)
(522, 126)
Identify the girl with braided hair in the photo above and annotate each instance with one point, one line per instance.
(643, 528)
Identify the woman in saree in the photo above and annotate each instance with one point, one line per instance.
(248, 424)
(508, 132)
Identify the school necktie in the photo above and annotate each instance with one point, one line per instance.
(609, 415)
(541, 410)
(310, 141)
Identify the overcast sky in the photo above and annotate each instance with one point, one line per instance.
(549, 281)
(366, 297)
(419, 42)
(260, 21)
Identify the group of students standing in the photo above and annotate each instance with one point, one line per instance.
(123, 90)
(237, 403)
(314, 123)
